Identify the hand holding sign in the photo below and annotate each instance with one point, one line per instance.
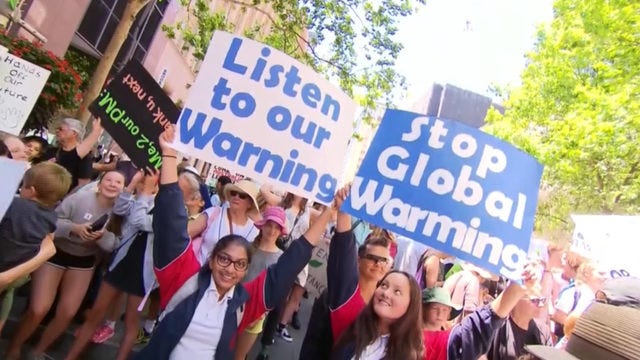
(167, 137)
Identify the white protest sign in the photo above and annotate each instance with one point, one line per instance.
(610, 240)
(12, 172)
(257, 111)
(20, 85)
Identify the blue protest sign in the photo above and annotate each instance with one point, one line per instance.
(449, 186)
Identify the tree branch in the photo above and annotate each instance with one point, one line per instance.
(275, 23)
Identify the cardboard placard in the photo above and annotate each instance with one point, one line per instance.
(21, 83)
(135, 111)
(258, 111)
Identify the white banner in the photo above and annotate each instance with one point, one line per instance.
(20, 85)
(610, 240)
(12, 173)
(257, 111)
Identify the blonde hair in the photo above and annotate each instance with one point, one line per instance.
(50, 181)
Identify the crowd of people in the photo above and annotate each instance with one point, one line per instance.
(214, 275)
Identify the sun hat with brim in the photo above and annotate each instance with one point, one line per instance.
(275, 214)
(602, 332)
(440, 296)
(247, 187)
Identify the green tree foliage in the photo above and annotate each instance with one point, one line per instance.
(350, 41)
(578, 110)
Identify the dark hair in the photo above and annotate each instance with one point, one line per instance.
(288, 201)
(405, 338)
(44, 146)
(379, 232)
(4, 150)
(232, 239)
(372, 241)
(224, 180)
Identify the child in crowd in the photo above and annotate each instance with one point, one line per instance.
(29, 219)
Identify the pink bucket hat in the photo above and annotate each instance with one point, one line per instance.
(275, 214)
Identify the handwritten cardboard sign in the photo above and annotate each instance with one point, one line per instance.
(451, 187)
(21, 83)
(135, 111)
(257, 111)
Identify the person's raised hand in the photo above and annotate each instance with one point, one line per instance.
(166, 139)
(137, 177)
(150, 181)
(341, 196)
(531, 277)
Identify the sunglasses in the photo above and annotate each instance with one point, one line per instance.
(243, 196)
(376, 259)
(224, 261)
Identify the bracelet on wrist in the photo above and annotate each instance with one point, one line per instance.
(170, 156)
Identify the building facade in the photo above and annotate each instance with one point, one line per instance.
(88, 25)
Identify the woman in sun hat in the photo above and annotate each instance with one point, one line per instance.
(265, 253)
(232, 219)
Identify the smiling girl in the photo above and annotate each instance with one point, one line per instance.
(389, 327)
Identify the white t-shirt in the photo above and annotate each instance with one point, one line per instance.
(376, 350)
(220, 227)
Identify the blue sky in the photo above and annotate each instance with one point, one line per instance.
(468, 43)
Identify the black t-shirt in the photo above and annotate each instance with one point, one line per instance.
(80, 168)
(22, 229)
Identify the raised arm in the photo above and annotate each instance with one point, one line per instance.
(85, 146)
(172, 256)
(342, 266)
(271, 287)
(139, 216)
(47, 250)
(281, 276)
(126, 198)
(473, 336)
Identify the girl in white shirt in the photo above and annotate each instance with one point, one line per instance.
(389, 326)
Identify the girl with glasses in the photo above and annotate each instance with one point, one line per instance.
(207, 307)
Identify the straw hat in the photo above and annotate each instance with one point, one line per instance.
(244, 186)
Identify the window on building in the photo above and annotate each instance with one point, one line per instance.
(102, 18)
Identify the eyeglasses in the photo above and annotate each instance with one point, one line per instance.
(376, 259)
(243, 196)
(539, 302)
(224, 261)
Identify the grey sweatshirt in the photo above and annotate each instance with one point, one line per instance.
(78, 208)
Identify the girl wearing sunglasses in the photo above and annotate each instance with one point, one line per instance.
(206, 308)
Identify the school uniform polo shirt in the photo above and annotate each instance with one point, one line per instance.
(201, 338)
